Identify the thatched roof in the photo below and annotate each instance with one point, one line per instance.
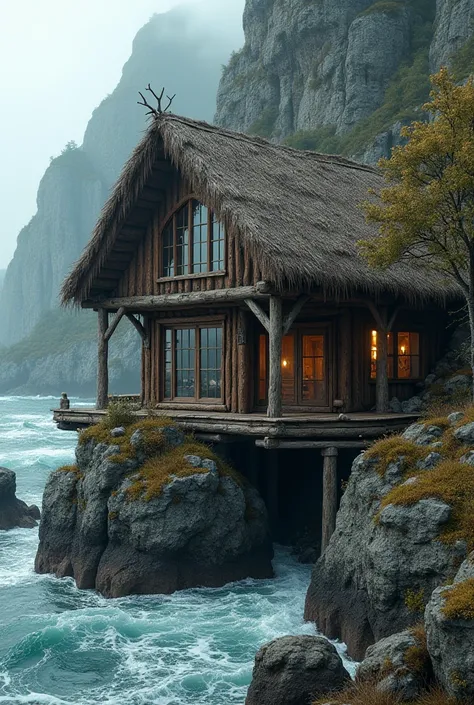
(298, 211)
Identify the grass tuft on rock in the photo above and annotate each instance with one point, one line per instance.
(367, 694)
(69, 468)
(459, 601)
(389, 450)
(157, 472)
(150, 428)
(451, 482)
(416, 658)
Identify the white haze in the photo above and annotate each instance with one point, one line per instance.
(59, 59)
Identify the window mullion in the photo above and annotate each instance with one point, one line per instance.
(210, 219)
(197, 364)
(191, 236)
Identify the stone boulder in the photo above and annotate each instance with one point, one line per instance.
(143, 513)
(13, 512)
(399, 664)
(293, 670)
(382, 563)
(449, 620)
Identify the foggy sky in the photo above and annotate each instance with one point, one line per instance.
(59, 59)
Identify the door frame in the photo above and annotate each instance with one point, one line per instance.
(325, 328)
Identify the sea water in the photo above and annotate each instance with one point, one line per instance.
(60, 645)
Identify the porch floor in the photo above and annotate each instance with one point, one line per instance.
(292, 430)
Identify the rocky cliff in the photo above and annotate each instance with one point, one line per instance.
(340, 76)
(172, 50)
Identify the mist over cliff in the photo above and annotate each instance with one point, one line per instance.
(341, 76)
(338, 76)
(182, 50)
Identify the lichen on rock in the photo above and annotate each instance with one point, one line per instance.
(408, 510)
(151, 511)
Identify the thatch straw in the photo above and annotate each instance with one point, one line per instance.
(299, 212)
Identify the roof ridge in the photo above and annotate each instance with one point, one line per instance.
(242, 137)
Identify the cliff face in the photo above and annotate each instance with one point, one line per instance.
(339, 75)
(69, 198)
(171, 50)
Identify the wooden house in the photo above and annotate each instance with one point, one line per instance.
(236, 260)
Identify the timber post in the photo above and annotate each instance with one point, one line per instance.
(383, 327)
(275, 334)
(382, 401)
(330, 495)
(103, 362)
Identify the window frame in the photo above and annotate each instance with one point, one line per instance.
(197, 326)
(171, 217)
(299, 331)
(394, 357)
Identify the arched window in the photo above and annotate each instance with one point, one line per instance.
(192, 242)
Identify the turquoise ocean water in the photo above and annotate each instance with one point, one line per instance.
(60, 645)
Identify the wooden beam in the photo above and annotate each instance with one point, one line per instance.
(293, 314)
(113, 326)
(170, 301)
(102, 366)
(140, 328)
(329, 495)
(275, 444)
(275, 334)
(259, 313)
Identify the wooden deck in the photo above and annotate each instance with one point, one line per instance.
(354, 430)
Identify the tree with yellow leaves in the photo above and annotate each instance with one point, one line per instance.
(426, 213)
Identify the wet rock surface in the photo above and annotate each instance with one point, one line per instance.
(13, 512)
(451, 638)
(380, 567)
(294, 670)
(201, 528)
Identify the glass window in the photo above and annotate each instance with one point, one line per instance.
(210, 371)
(303, 363)
(217, 245)
(288, 368)
(182, 241)
(193, 363)
(403, 360)
(193, 242)
(200, 222)
(168, 251)
(185, 350)
(313, 368)
(168, 363)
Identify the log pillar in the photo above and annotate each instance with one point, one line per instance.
(382, 401)
(271, 490)
(330, 495)
(103, 360)
(275, 334)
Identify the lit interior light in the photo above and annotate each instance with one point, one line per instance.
(285, 363)
(403, 349)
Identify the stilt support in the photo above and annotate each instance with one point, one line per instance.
(103, 360)
(274, 377)
(330, 495)
(272, 484)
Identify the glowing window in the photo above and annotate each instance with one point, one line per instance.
(403, 359)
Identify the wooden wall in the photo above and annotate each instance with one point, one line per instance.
(350, 329)
(142, 276)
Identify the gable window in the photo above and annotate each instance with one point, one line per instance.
(193, 363)
(192, 242)
(403, 359)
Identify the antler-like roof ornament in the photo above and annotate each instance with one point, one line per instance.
(155, 113)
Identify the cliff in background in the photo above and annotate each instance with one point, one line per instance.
(341, 76)
(171, 50)
(48, 351)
